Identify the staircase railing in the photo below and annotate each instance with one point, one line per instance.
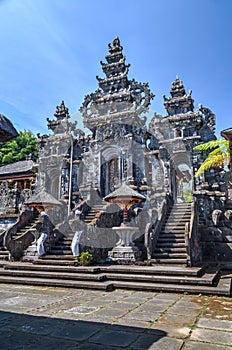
(16, 247)
(191, 236)
(153, 229)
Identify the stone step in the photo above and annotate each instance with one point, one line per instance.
(170, 240)
(61, 246)
(170, 255)
(51, 274)
(170, 250)
(56, 257)
(60, 252)
(107, 286)
(170, 245)
(168, 261)
(36, 267)
(151, 278)
(207, 279)
(176, 228)
(156, 270)
(171, 234)
(50, 261)
(176, 223)
(223, 287)
(65, 241)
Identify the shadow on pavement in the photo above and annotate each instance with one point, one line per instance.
(20, 331)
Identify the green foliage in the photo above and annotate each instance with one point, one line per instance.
(18, 149)
(85, 258)
(218, 151)
(210, 145)
(188, 196)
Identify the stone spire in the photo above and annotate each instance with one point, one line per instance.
(62, 123)
(118, 99)
(179, 102)
(115, 69)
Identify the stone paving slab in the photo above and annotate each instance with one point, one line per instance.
(114, 338)
(192, 345)
(157, 343)
(70, 319)
(215, 324)
(212, 336)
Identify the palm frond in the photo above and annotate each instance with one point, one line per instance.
(211, 161)
(210, 145)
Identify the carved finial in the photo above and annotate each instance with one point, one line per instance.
(116, 41)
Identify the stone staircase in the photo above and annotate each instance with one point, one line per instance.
(31, 226)
(4, 254)
(94, 213)
(60, 253)
(146, 278)
(171, 247)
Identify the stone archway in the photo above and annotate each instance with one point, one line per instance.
(111, 170)
(182, 177)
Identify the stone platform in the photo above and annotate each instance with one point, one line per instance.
(49, 318)
(109, 277)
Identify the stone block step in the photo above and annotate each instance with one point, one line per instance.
(206, 280)
(107, 286)
(60, 252)
(60, 246)
(171, 235)
(223, 287)
(180, 229)
(170, 250)
(156, 270)
(57, 257)
(64, 243)
(171, 240)
(36, 267)
(51, 274)
(170, 245)
(170, 255)
(168, 261)
(59, 261)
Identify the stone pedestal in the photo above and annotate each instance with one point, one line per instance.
(125, 248)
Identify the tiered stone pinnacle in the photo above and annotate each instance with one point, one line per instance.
(118, 99)
(180, 102)
(62, 123)
(115, 69)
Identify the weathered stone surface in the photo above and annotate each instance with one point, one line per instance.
(212, 336)
(114, 338)
(204, 346)
(157, 343)
(215, 324)
(174, 319)
(47, 326)
(171, 331)
(79, 330)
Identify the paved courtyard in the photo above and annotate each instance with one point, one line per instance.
(54, 318)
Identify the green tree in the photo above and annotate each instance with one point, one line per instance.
(18, 149)
(218, 151)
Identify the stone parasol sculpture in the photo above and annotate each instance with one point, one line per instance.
(7, 130)
(43, 201)
(125, 197)
(125, 249)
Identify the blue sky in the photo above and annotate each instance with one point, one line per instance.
(51, 50)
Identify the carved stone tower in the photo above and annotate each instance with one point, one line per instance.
(114, 115)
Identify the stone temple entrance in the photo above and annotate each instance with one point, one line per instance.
(181, 217)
